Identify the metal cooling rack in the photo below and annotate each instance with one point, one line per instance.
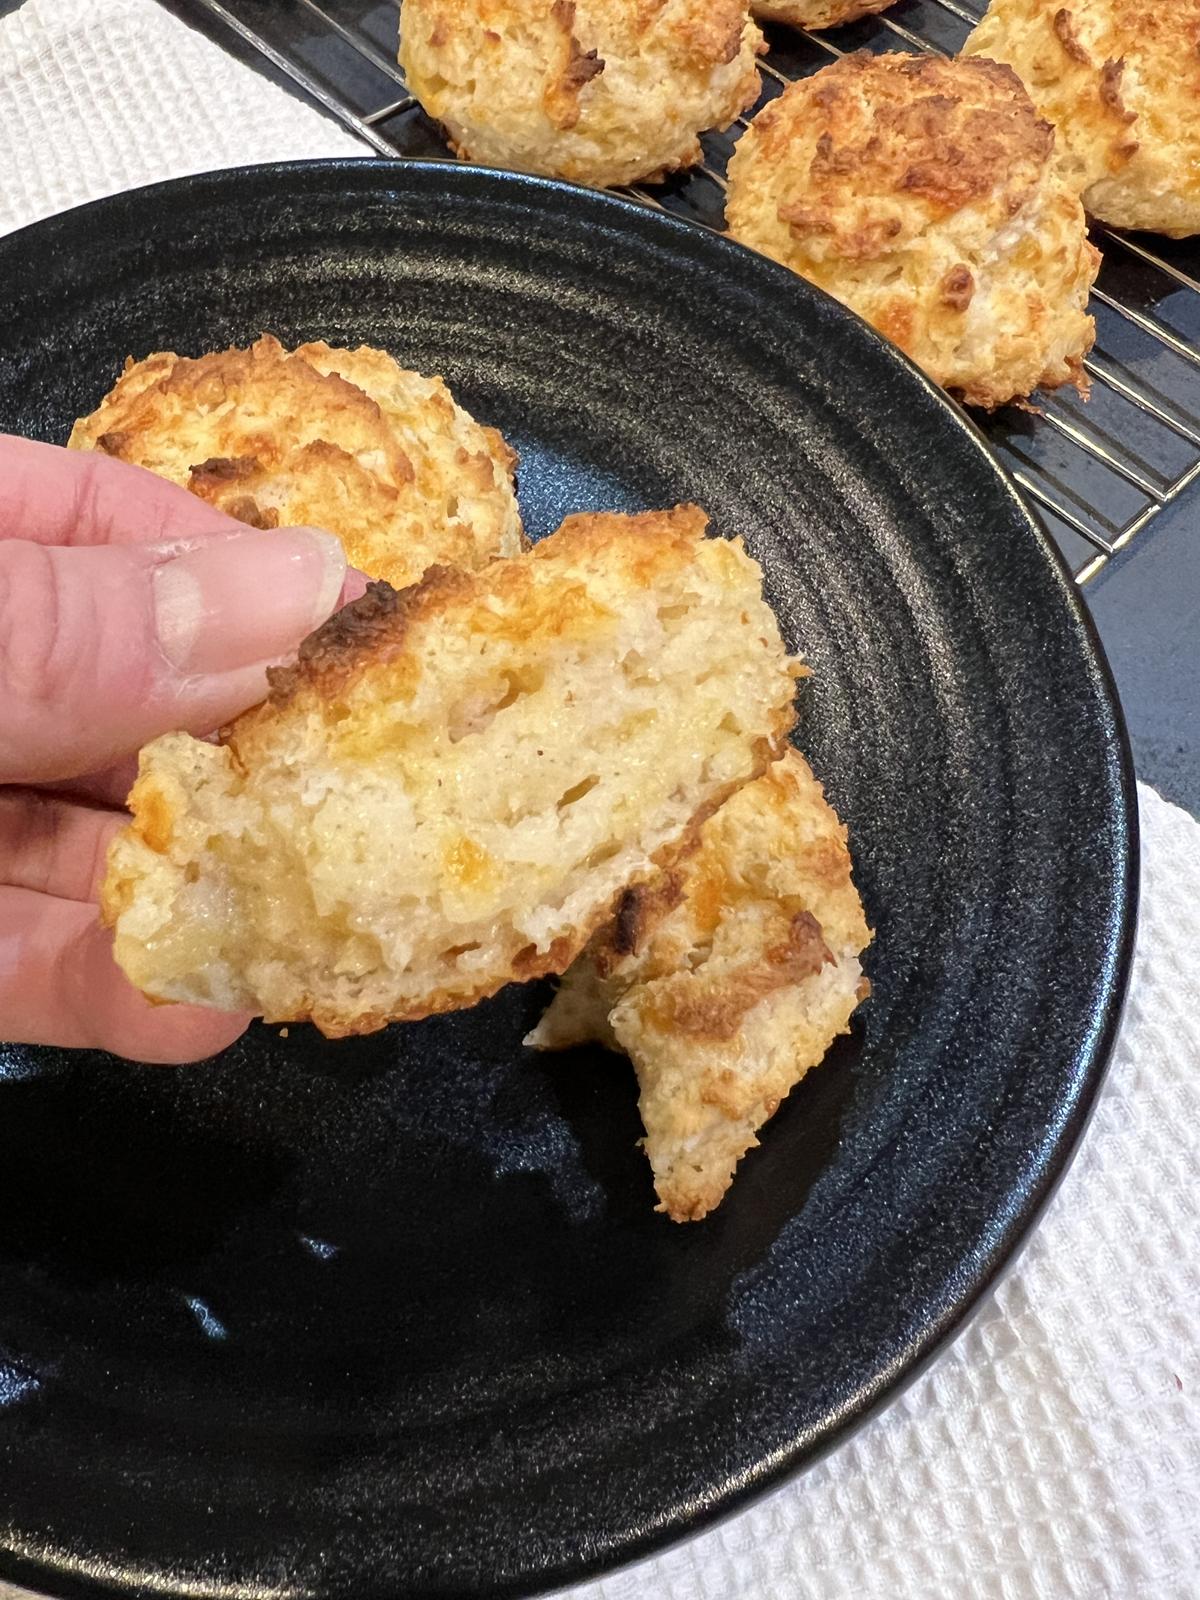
(1096, 474)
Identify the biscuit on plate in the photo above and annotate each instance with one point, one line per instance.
(1121, 83)
(923, 194)
(724, 980)
(453, 785)
(601, 92)
(816, 13)
(345, 440)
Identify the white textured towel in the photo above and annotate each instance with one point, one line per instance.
(102, 95)
(1054, 1452)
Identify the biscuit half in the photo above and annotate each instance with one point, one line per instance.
(452, 786)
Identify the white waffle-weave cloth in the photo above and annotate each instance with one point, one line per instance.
(1053, 1453)
(102, 95)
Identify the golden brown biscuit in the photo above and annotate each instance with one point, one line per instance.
(922, 193)
(454, 784)
(1121, 82)
(598, 91)
(338, 439)
(724, 980)
(816, 13)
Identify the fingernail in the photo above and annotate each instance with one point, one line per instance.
(248, 598)
(354, 586)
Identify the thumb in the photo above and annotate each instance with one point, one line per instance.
(105, 647)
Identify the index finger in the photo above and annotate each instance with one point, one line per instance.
(51, 495)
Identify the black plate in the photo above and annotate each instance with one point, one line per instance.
(395, 1317)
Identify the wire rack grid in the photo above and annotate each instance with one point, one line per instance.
(1096, 474)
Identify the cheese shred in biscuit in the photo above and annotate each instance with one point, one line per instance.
(456, 781)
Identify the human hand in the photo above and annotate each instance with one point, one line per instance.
(128, 608)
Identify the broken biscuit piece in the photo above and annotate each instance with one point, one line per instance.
(454, 784)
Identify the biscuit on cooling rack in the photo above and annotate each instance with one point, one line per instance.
(1121, 82)
(816, 13)
(602, 92)
(339, 439)
(923, 194)
(451, 788)
(725, 980)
